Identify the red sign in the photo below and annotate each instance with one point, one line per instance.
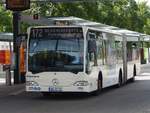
(5, 57)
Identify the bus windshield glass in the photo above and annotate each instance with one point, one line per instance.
(56, 49)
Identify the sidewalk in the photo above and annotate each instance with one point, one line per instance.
(11, 90)
(145, 69)
(2, 81)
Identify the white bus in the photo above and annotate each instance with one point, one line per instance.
(79, 59)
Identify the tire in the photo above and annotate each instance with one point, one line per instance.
(132, 79)
(120, 82)
(134, 71)
(99, 85)
(134, 74)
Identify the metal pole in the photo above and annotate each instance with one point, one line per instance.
(16, 47)
(8, 70)
(8, 76)
(149, 51)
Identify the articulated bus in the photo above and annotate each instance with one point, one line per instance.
(79, 59)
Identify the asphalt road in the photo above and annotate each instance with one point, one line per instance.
(131, 98)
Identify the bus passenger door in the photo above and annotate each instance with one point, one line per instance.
(111, 60)
(97, 56)
(92, 55)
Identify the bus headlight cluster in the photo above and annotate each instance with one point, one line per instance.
(81, 83)
(31, 83)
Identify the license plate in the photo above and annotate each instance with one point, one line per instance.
(55, 89)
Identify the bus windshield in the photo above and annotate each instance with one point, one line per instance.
(56, 52)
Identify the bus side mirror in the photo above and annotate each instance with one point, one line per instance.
(91, 46)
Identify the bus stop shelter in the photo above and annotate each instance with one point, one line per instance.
(6, 37)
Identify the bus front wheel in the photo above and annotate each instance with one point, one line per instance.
(99, 84)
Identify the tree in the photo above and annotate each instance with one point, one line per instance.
(144, 15)
(120, 13)
(5, 20)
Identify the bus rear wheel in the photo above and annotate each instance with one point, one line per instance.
(120, 82)
(134, 74)
(134, 70)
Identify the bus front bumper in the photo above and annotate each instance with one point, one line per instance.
(80, 86)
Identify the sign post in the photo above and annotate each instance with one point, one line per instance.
(16, 6)
(7, 69)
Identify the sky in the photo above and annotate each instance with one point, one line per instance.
(148, 1)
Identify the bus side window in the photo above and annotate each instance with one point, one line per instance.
(135, 51)
(119, 53)
(130, 49)
(92, 49)
(101, 50)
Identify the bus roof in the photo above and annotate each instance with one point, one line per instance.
(6, 37)
(75, 21)
(95, 25)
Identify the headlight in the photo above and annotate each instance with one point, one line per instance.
(31, 83)
(81, 83)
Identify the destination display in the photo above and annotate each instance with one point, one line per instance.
(46, 32)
